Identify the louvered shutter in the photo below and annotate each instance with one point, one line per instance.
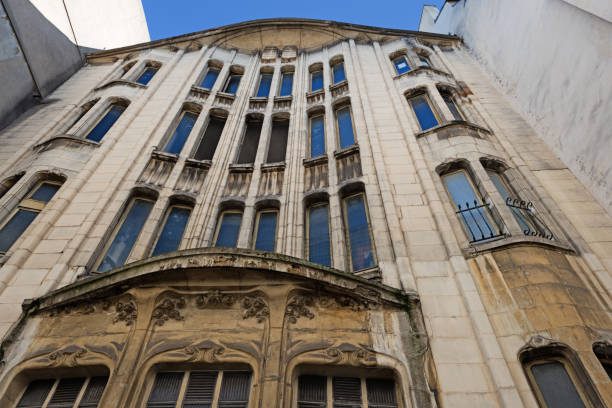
(165, 390)
(66, 393)
(347, 392)
(35, 394)
(200, 390)
(381, 393)
(235, 390)
(93, 393)
(312, 391)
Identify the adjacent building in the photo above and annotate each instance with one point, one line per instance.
(296, 213)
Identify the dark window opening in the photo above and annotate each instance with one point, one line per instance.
(210, 140)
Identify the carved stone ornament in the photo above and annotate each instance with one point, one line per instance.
(255, 306)
(168, 309)
(203, 353)
(537, 341)
(84, 308)
(215, 298)
(125, 311)
(349, 354)
(252, 305)
(298, 306)
(343, 301)
(67, 356)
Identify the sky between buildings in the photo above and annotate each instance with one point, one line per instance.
(168, 18)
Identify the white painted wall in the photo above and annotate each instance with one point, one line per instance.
(553, 59)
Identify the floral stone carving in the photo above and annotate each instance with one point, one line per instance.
(168, 309)
(298, 306)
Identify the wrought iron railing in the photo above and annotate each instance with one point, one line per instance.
(526, 216)
(479, 222)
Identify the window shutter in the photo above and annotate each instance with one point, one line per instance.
(381, 393)
(235, 390)
(66, 393)
(165, 390)
(93, 393)
(200, 390)
(347, 392)
(35, 394)
(312, 391)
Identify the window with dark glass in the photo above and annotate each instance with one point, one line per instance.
(265, 230)
(401, 64)
(210, 140)
(210, 78)
(181, 133)
(250, 141)
(554, 385)
(286, 87)
(126, 234)
(338, 72)
(316, 80)
(174, 226)
(278, 141)
(228, 229)
(76, 392)
(232, 84)
(450, 102)
(147, 75)
(317, 135)
(345, 127)
(318, 244)
(422, 110)
(347, 392)
(105, 123)
(265, 81)
(27, 210)
(200, 389)
(359, 235)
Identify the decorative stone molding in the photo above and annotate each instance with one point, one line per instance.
(349, 354)
(168, 309)
(205, 352)
(67, 356)
(255, 306)
(125, 310)
(74, 310)
(252, 305)
(343, 301)
(298, 306)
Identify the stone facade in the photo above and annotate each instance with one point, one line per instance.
(454, 321)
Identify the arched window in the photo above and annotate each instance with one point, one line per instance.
(182, 129)
(603, 351)
(174, 223)
(233, 80)
(106, 121)
(148, 72)
(400, 62)
(211, 75)
(318, 240)
(449, 99)
(264, 235)
(316, 77)
(228, 228)
(359, 239)
(424, 60)
(422, 109)
(210, 139)
(337, 68)
(81, 392)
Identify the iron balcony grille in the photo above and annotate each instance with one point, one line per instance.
(525, 214)
(478, 221)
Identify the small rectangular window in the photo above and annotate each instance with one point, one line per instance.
(422, 110)
(210, 140)
(317, 135)
(126, 235)
(448, 99)
(401, 64)
(172, 233)
(81, 392)
(359, 237)
(147, 75)
(278, 141)
(264, 85)
(181, 133)
(103, 126)
(210, 78)
(345, 127)
(338, 71)
(319, 249)
(250, 142)
(232, 84)
(265, 233)
(228, 229)
(316, 80)
(286, 84)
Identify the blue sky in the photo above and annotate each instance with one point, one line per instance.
(167, 18)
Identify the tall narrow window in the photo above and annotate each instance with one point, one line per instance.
(200, 389)
(228, 229)
(317, 135)
(422, 110)
(265, 81)
(319, 249)
(345, 127)
(347, 392)
(473, 213)
(604, 354)
(210, 78)
(523, 217)
(147, 75)
(554, 385)
(81, 392)
(401, 64)
(424, 61)
(232, 84)
(27, 210)
(265, 230)
(338, 72)
(174, 226)
(286, 87)
(126, 235)
(316, 80)
(359, 236)
(250, 141)
(450, 102)
(181, 133)
(278, 141)
(105, 123)
(210, 140)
